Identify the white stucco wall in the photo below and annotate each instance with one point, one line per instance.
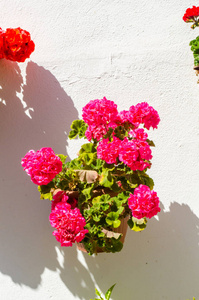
(129, 51)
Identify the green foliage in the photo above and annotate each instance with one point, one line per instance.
(195, 48)
(62, 157)
(102, 189)
(78, 128)
(112, 219)
(45, 191)
(107, 295)
(137, 224)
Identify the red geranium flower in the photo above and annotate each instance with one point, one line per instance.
(191, 14)
(1, 43)
(17, 44)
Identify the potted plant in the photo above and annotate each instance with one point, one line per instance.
(95, 195)
(192, 16)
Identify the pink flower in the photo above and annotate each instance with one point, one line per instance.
(135, 154)
(126, 116)
(95, 132)
(69, 224)
(98, 132)
(100, 112)
(109, 151)
(144, 202)
(42, 166)
(61, 196)
(139, 134)
(142, 113)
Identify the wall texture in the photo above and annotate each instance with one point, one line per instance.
(129, 51)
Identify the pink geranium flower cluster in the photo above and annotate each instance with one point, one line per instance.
(99, 112)
(42, 166)
(144, 202)
(135, 154)
(69, 224)
(109, 151)
(139, 134)
(61, 196)
(142, 113)
(99, 115)
(134, 151)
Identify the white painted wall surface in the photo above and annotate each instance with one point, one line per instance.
(129, 51)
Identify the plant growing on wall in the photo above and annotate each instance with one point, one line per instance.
(107, 295)
(95, 194)
(15, 44)
(192, 16)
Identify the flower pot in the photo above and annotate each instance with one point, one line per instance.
(196, 68)
(121, 229)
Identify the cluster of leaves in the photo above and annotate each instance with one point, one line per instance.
(195, 48)
(103, 214)
(103, 190)
(107, 295)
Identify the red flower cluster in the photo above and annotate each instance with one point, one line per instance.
(191, 14)
(15, 44)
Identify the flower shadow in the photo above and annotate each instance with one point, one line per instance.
(156, 263)
(11, 81)
(25, 230)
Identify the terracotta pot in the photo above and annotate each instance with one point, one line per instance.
(196, 68)
(121, 229)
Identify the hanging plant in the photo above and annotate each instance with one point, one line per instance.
(192, 16)
(94, 195)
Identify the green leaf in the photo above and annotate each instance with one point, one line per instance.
(151, 143)
(116, 246)
(88, 148)
(137, 224)
(109, 292)
(88, 158)
(146, 180)
(107, 180)
(96, 218)
(78, 127)
(46, 196)
(45, 190)
(112, 219)
(98, 293)
(62, 157)
(87, 192)
(98, 164)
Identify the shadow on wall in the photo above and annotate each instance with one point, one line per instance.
(25, 229)
(161, 262)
